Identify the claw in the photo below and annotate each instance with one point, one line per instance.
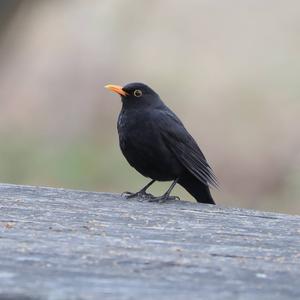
(126, 194)
(132, 195)
(163, 199)
(140, 195)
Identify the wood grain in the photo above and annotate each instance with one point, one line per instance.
(63, 244)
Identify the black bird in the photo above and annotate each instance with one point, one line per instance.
(155, 142)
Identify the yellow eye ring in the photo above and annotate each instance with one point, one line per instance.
(137, 93)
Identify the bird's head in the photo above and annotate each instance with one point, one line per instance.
(136, 94)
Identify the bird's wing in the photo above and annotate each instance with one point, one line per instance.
(184, 147)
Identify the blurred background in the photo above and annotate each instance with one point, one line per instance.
(229, 69)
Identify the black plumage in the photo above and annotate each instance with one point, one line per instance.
(155, 142)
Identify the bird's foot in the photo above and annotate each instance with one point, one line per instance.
(140, 195)
(164, 198)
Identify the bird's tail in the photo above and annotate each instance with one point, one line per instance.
(197, 189)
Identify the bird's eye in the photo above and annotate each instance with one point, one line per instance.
(137, 93)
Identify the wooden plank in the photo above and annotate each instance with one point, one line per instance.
(64, 244)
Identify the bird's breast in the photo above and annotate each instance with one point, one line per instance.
(143, 147)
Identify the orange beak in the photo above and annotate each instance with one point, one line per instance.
(116, 88)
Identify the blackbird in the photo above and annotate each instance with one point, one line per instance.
(155, 142)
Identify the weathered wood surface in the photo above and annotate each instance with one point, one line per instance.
(61, 244)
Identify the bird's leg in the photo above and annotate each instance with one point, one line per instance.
(166, 196)
(142, 193)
